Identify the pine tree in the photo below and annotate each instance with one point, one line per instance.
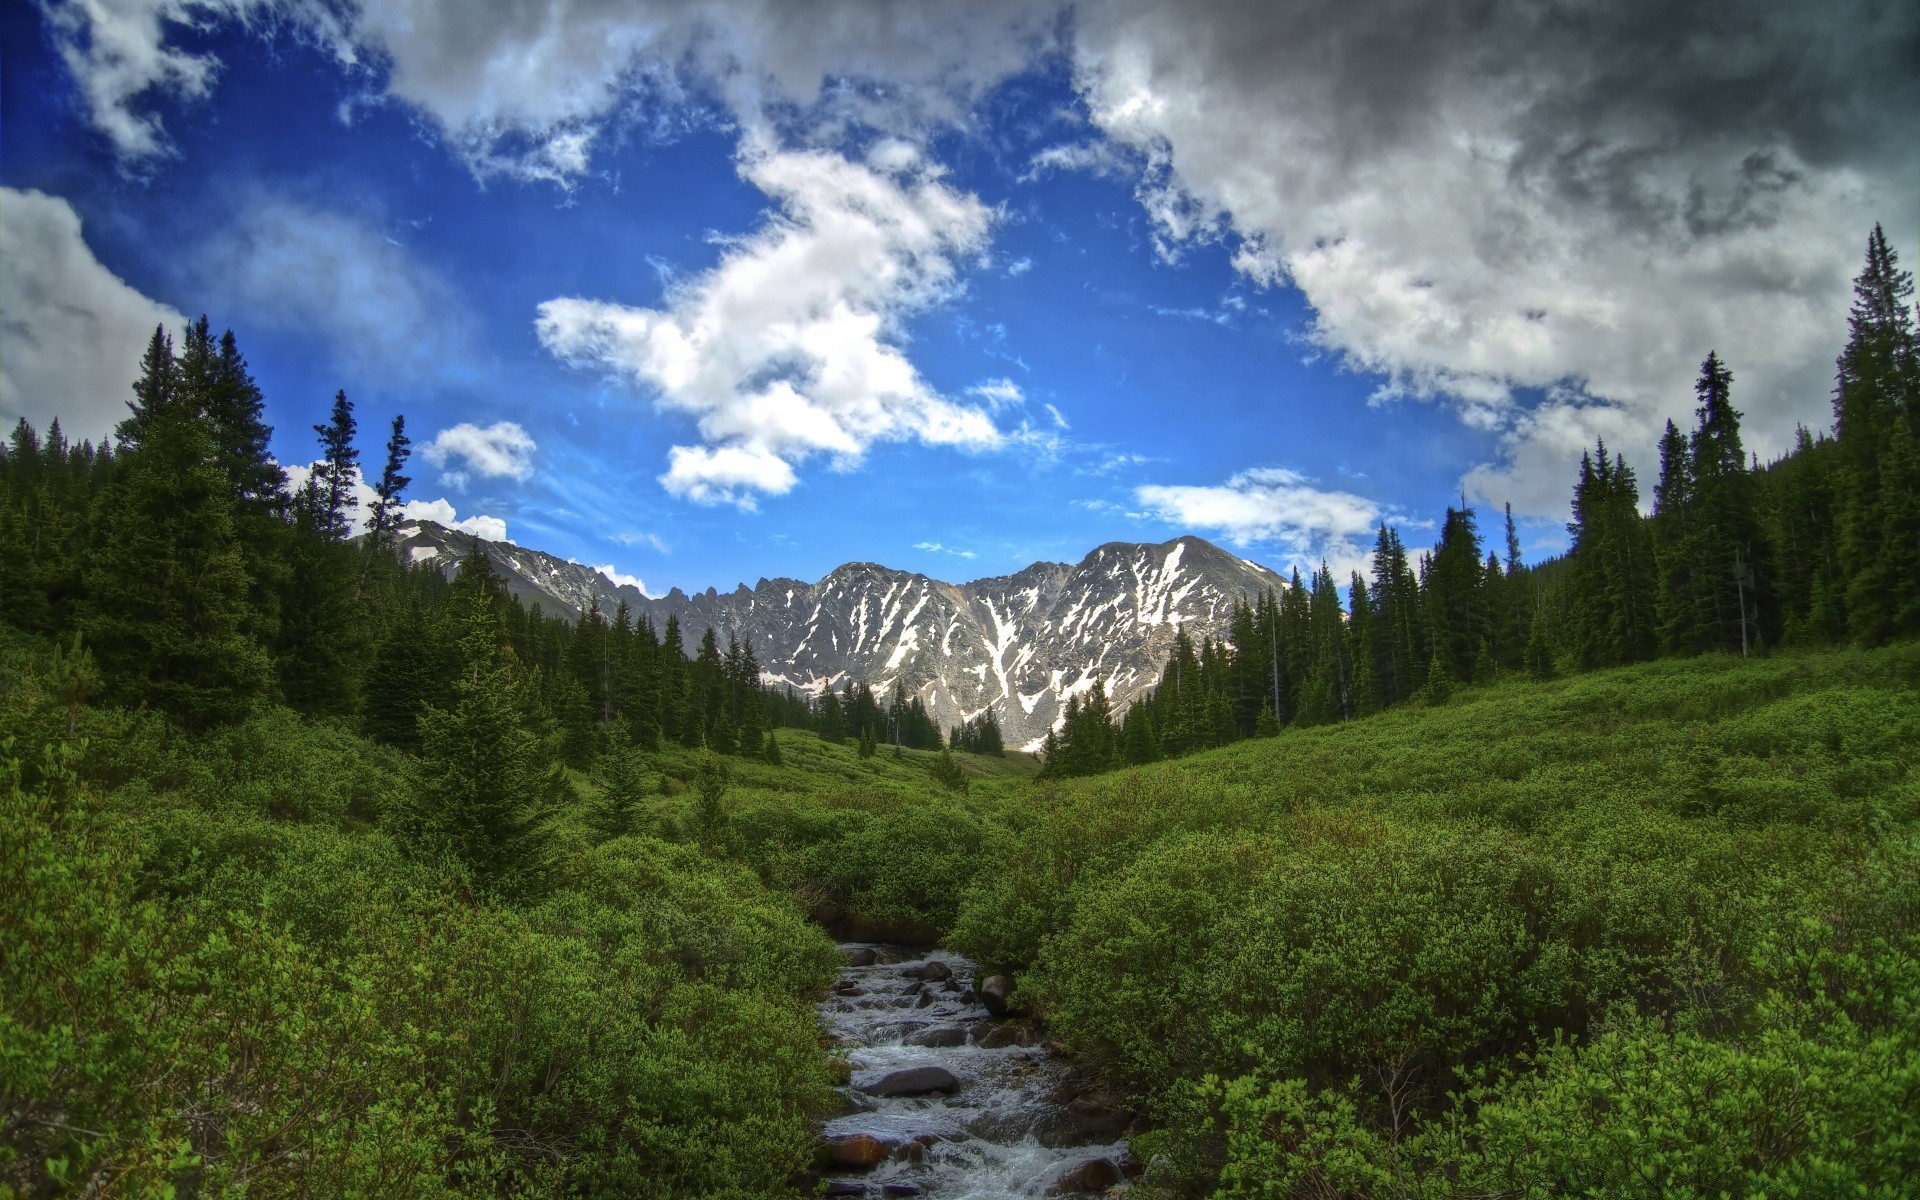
(1438, 688)
(166, 607)
(1879, 380)
(1612, 569)
(386, 505)
(414, 667)
(831, 724)
(772, 751)
(1721, 538)
(711, 779)
(948, 773)
(485, 784)
(623, 794)
(337, 471)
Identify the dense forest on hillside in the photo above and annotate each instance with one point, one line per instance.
(1820, 547)
(321, 874)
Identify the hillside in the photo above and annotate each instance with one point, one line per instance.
(1651, 931)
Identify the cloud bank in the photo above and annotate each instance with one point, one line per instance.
(1483, 205)
(71, 332)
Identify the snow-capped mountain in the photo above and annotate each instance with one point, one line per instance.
(1022, 644)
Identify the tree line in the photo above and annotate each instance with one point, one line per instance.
(204, 585)
(1821, 546)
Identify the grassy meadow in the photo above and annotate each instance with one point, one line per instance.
(1647, 932)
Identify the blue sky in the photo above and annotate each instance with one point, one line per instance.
(705, 300)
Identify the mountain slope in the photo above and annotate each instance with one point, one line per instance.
(1021, 644)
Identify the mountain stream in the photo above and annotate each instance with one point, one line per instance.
(946, 1101)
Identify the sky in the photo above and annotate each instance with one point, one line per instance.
(698, 293)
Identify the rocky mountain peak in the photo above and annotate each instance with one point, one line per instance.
(1022, 644)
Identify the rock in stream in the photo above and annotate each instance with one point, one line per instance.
(944, 1100)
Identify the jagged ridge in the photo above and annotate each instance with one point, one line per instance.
(1022, 643)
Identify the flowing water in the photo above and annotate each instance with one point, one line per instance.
(1012, 1126)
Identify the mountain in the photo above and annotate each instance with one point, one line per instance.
(1021, 643)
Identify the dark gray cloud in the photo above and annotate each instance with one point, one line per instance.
(1583, 198)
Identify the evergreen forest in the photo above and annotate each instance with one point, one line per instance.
(323, 874)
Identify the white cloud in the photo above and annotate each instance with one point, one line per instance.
(1474, 203)
(1100, 158)
(789, 348)
(295, 266)
(502, 450)
(117, 53)
(999, 393)
(1473, 200)
(641, 539)
(71, 332)
(440, 512)
(937, 548)
(1019, 266)
(1275, 506)
(622, 579)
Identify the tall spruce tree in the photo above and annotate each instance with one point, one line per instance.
(1612, 570)
(166, 608)
(1877, 394)
(393, 483)
(338, 470)
(485, 784)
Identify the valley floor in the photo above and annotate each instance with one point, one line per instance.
(1653, 931)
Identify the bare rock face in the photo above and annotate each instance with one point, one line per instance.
(1020, 644)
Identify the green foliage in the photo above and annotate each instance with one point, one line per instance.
(948, 773)
(1651, 931)
(485, 784)
(166, 608)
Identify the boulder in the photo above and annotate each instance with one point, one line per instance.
(899, 1189)
(860, 956)
(926, 999)
(994, 990)
(939, 1036)
(936, 970)
(913, 1081)
(1094, 1175)
(845, 1187)
(998, 1038)
(860, 1151)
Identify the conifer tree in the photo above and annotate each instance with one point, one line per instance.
(1877, 392)
(831, 724)
(1722, 539)
(393, 483)
(337, 471)
(166, 606)
(1612, 569)
(485, 784)
(414, 666)
(623, 793)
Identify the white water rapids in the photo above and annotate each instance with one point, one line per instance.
(1009, 1129)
